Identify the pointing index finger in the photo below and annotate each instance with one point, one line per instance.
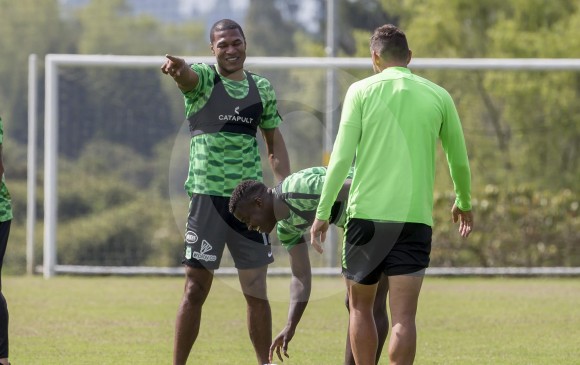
(171, 58)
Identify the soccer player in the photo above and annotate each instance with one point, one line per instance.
(5, 221)
(225, 106)
(290, 207)
(391, 121)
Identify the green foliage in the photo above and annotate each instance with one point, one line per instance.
(522, 128)
(117, 128)
(267, 33)
(185, 39)
(115, 236)
(518, 226)
(112, 213)
(26, 26)
(136, 233)
(108, 26)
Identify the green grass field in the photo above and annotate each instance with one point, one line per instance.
(129, 321)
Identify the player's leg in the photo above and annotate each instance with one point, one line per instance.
(252, 255)
(403, 299)
(204, 246)
(4, 234)
(259, 315)
(405, 268)
(381, 321)
(365, 249)
(362, 330)
(348, 356)
(380, 314)
(197, 286)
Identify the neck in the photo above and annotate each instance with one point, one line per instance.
(281, 210)
(237, 75)
(392, 64)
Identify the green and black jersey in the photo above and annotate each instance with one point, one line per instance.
(301, 192)
(219, 160)
(5, 200)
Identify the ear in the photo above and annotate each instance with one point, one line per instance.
(375, 58)
(377, 62)
(212, 50)
(258, 201)
(409, 57)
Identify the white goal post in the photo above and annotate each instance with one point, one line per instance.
(53, 62)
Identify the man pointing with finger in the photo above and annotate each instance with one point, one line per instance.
(225, 106)
(391, 122)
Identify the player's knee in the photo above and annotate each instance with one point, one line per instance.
(257, 301)
(254, 286)
(195, 294)
(196, 289)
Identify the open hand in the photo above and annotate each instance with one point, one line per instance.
(318, 234)
(465, 219)
(281, 343)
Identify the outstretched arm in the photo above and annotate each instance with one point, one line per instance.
(300, 286)
(185, 78)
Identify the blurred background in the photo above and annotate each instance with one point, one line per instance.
(122, 155)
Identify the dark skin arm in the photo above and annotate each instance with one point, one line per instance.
(300, 286)
(185, 78)
(277, 153)
(343, 193)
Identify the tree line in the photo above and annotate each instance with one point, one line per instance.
(117, 127)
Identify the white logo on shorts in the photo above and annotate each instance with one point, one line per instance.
(190, 237)
(270, 254)
(201, 255)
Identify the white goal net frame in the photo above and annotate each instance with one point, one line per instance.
(54, 62)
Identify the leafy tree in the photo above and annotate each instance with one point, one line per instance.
(514, 121)
(123, 105)
(267, 32)
(522, 127)
(27, 26)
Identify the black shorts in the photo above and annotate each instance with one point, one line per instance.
(373, 248)
(210, 226)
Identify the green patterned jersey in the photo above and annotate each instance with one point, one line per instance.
(219, 161)
(309, 182)
(5, 201)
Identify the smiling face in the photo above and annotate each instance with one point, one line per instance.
(229, 48)
(255, 215)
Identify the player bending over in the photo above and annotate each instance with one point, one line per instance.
(291, 207)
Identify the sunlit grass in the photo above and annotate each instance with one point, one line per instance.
(119, 320)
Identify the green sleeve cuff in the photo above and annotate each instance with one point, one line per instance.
(464, 206)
